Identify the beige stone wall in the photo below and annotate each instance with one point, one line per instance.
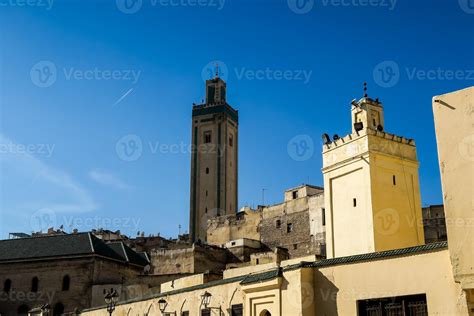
(332, 290)
(223, 229)
(194, 259)
(339, 287)
(454, 123)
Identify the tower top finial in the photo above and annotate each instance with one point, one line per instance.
(365, 90)
(217, 70)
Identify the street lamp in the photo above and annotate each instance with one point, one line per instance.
(162, 303)
(45, 309)
(111, 298)
(206, 299)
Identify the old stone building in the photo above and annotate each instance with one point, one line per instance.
(434, 223)
(297, 223)
(66, 271)
(214, 161)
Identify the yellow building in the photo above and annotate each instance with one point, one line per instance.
(372, 192)
(419, 280)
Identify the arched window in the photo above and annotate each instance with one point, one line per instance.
(23, 310)
(7, 285)
(34, 284)
(265, 313)
(66, 282)
(58, 309)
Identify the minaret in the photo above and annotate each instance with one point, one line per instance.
(214, 159)
(372, 198)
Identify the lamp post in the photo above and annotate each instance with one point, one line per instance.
(111, 298)
(45, 309)
(206, 300)
(162, 303)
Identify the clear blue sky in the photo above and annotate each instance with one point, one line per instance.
(69, 96)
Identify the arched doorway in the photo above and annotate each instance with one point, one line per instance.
(265, 313)
(58, 309)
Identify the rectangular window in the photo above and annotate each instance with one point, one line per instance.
(295, 195)
(289, 227)
(207, 137)
(237, 310)
(278, 223)
(295, 246)
(396, 306)
(231, 140)
(354, 202)
(206, 312)
(323, 215)
(186, 313)
(394, 179)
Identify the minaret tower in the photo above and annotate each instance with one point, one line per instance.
(214, 159)
(372, 197)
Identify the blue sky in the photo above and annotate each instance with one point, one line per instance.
(80, 78)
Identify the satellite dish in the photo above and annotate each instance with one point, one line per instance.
(358, 126)
(336, 137)
(380, 128)
(326, 139)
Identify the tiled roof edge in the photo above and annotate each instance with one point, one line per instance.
(370, 256)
